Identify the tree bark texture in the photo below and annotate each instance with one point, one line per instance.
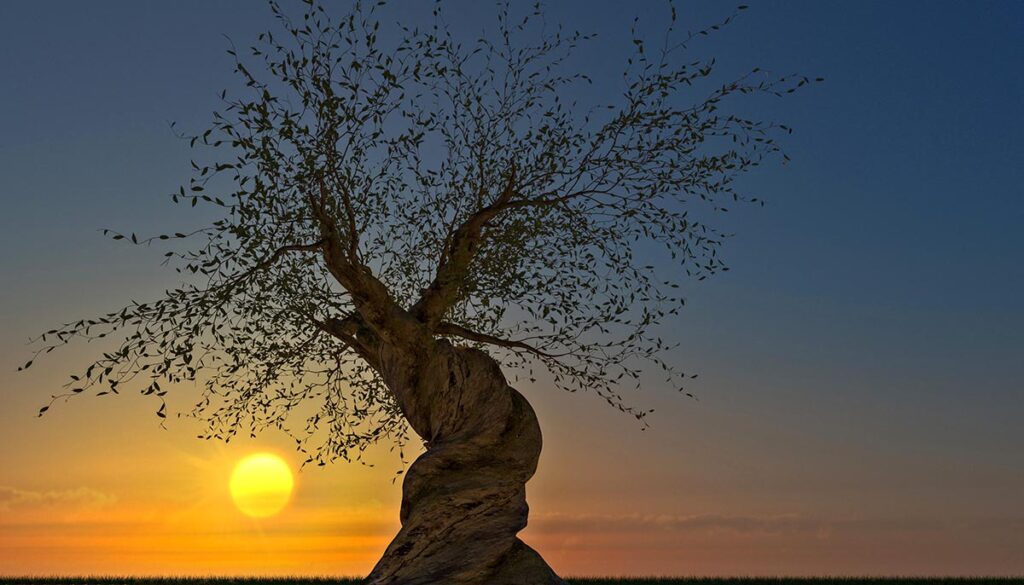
(464, 499)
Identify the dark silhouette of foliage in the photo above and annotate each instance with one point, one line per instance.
(439, 180)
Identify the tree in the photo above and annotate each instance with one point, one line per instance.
(403, 224)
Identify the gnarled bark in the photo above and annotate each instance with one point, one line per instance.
(464, 500)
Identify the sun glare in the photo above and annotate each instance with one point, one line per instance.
(261, 485)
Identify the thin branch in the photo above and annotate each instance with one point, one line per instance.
(451, 329)
(274, 257)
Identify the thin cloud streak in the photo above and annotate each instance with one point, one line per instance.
(14, 498)
(768, 524)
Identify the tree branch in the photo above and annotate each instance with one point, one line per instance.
(443, 291)
(451, 329)
(272, 258)
(350, 216)
(372, 300)
(348, 330)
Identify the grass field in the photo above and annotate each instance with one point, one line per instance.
(579, 581)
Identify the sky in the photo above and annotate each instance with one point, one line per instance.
(860, 366)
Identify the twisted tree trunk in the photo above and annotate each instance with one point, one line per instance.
(464, 500)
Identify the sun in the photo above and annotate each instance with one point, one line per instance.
(261, 485)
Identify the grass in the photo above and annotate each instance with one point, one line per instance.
(576, 581)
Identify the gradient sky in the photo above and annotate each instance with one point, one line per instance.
(860, 367)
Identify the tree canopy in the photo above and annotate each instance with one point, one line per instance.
(442, 182)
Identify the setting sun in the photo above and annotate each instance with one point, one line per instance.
(261, 485)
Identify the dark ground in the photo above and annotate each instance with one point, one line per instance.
(580, 581)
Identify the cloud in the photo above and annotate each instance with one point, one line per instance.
(771, 525)
(675, 523)
(82, 497)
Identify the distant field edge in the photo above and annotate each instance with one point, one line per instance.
(573, 580)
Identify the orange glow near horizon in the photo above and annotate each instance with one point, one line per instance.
(191, 509)
(101, 489)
